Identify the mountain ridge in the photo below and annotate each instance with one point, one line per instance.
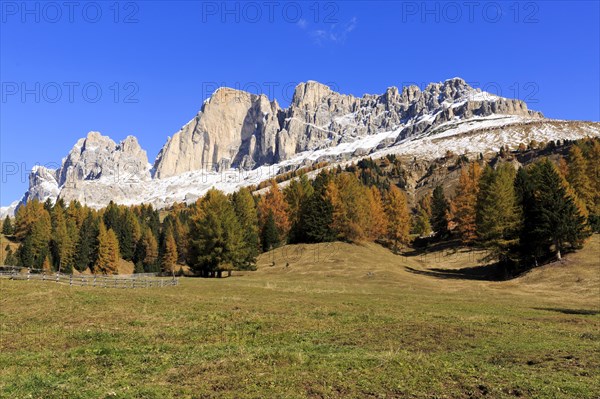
(248, 134)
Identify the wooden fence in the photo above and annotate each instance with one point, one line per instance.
(95, 280)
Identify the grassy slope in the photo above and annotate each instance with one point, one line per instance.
(339, 320)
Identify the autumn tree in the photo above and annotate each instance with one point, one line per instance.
(107, 261)
(274, 202)
(169, 256)
(351, 208)
(463, 204)
(421, 217)
(578, 178)
(398, 217)
(378, 222)
(147, 251)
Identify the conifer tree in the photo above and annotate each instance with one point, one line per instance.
(439, 212)
(296, 193)
(169, 256)
(351, 209)
(107, 261)
(9, 258)
(497, 211)
(7, 227)
(274, 202)
(130, 234)
(148, 251)
(215, 235)
(378, 222)
(270, 236)
(86, 249)
(316, 219)
(398, 217)
(463, 204)
(421, 224)
(555, 221)
(578, 176)
(245, 210)
(46, 264)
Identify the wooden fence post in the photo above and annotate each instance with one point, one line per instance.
(28, 273)
(94, 280)
(70, 280)
(57, 276)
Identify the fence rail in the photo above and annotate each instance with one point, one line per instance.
(95, 280)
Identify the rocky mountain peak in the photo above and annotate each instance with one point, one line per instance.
(235, 128)
(309, 94)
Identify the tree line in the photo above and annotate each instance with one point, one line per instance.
(523, 216)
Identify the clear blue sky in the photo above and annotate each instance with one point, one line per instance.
(166, 58)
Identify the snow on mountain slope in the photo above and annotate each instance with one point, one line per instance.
(240, 139)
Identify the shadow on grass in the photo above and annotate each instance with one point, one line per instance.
(484, 273)
(587, 312)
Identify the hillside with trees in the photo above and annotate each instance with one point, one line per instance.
(525, 207)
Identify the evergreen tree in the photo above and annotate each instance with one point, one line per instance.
(296, 193)
(439, 212)
(557, 224)
(10, 259)
(245, 211)
(87, 244)
(130, 234)
(63, 241)
(316, 219)
(270, 235)
(497, 211)
(531, 244)
(398, 217)
(216, 239)
(463, 204)
(7, 227)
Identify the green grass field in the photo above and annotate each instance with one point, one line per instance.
(321, 321)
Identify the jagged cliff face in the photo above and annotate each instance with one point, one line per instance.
(233, 128)
(239, 129)
(247, 131)
(93, 158)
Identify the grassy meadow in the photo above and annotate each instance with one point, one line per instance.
(314, 321)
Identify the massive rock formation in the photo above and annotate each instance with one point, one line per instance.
(246, 131)
(92, 158)
(235, 128)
